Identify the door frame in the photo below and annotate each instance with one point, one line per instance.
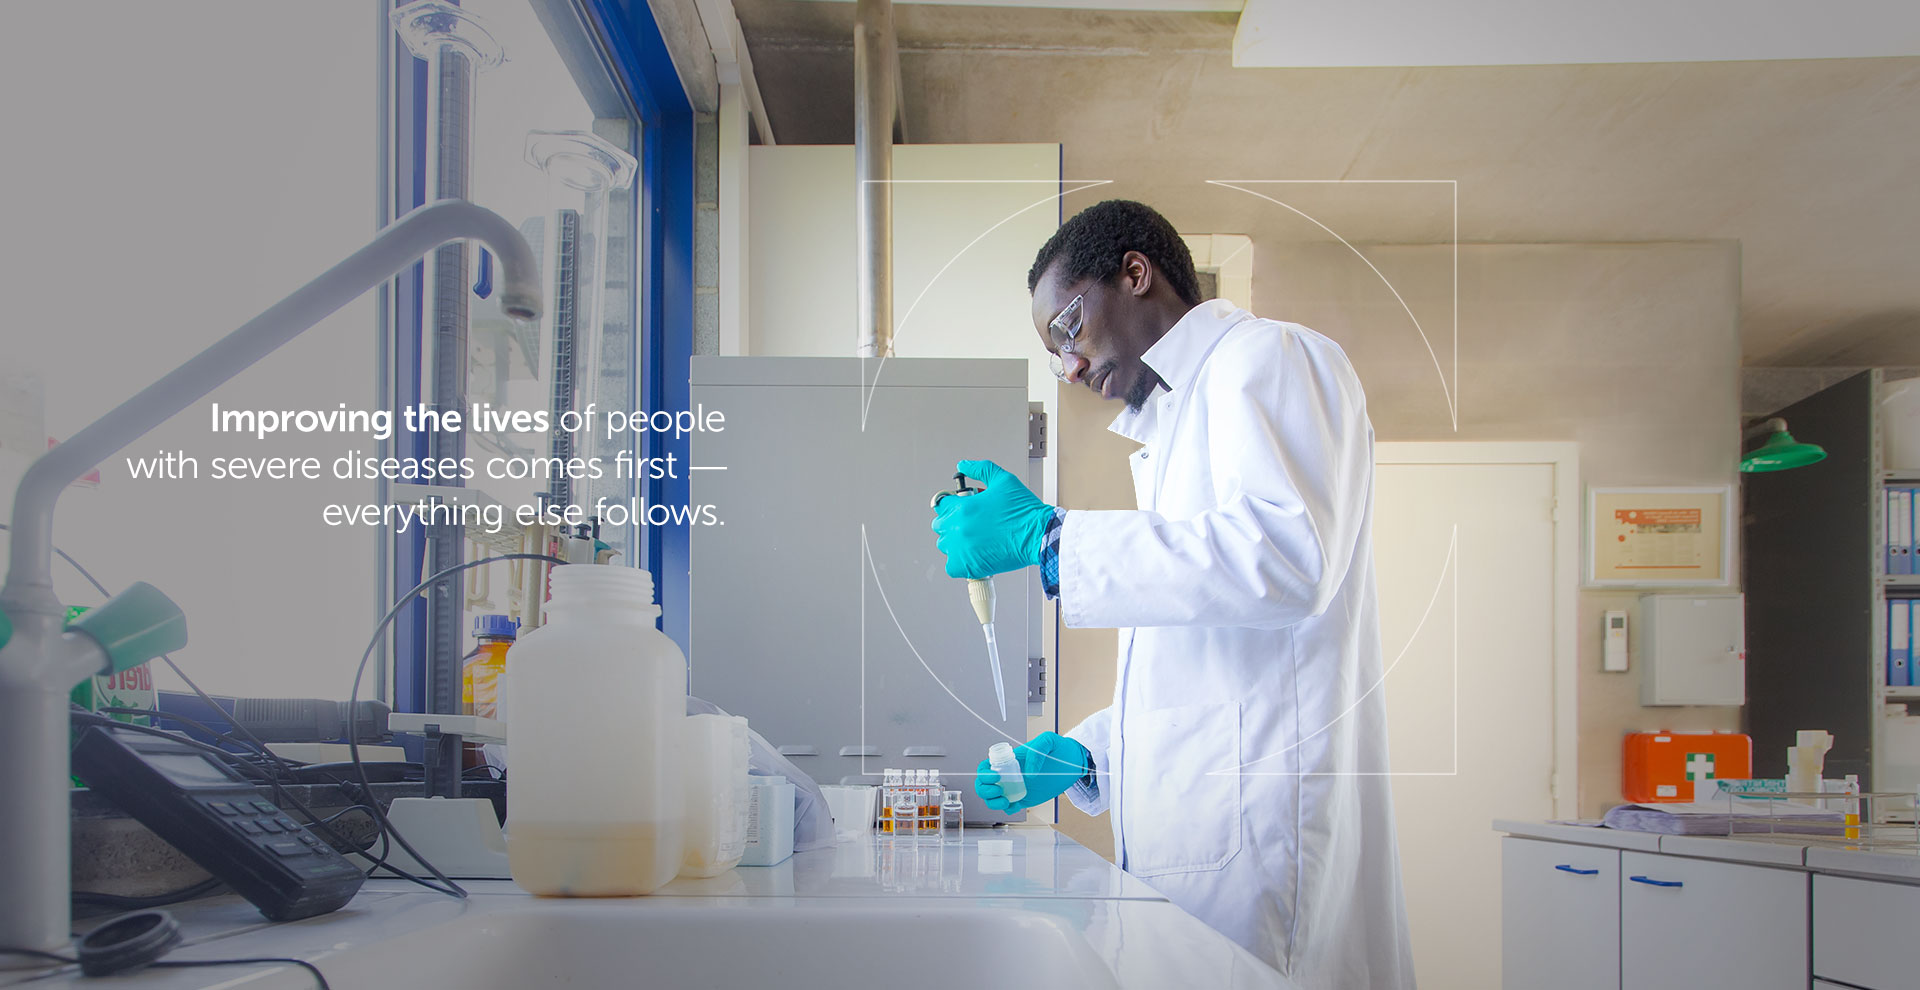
(1563, 457)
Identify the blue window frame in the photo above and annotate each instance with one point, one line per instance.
(641, 62)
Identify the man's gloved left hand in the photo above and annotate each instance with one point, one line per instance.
(1050, 764)
(1002, 528)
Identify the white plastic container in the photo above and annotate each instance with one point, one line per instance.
(714, 755)
(1001, 758)
(598, 697)
(851, 806)
(769, 821)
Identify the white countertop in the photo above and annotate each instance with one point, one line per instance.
(1051, 913)
(1043, 863)
(1814, 853)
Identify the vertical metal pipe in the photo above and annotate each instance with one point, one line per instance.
(874, 108)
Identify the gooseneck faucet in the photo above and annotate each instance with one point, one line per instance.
(44, 657)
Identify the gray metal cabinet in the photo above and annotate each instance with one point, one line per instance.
(1863, 933)
(821, 607)
(1679, 916)
(1560, 922)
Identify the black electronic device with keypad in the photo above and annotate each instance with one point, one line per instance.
(218, 820)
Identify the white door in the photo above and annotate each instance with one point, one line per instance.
(1560, 916)
(1466, 560)
(1689, 923)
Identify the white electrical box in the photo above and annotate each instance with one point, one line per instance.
(1613, 654)
(1692, 649)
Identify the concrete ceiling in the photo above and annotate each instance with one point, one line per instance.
(1288, 33)
(1810, 165)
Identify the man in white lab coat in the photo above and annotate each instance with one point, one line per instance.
(1243, 761)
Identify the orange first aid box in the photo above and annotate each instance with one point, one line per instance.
(1662, 766)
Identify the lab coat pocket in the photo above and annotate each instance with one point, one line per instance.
(1183, 815)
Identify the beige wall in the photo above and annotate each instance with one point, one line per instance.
(967, 220)
(1632, 350)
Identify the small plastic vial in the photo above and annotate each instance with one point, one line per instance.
(1000, 757)
(952, 814)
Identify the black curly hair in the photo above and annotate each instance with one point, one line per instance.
(1092, 244)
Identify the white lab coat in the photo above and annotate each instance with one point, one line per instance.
(1243, 759)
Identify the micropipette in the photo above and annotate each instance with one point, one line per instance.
(980, 593)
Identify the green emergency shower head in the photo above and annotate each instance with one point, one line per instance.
(1781, 452)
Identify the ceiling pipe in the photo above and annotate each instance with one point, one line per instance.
(875, 72)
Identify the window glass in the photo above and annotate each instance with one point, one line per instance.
(546, 162)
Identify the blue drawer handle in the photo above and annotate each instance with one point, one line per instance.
(1564, 868)
(1657, 883)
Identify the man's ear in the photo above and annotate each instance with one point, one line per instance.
(1136, 273)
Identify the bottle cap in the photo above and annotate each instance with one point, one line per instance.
(495, 627)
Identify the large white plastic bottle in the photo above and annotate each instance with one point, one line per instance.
(597, 697)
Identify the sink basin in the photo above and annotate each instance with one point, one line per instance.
(522, 942)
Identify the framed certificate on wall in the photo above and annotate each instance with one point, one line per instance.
(1660, 536)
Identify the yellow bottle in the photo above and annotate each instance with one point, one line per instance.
(480, 675)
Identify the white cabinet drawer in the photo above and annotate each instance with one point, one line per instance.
(1560, 916)
(1864, 932)
(1691, 923)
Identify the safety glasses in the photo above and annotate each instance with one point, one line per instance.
(1064, 328)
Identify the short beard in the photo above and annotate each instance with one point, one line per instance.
(1141, 390)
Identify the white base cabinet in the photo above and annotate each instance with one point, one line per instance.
(1691, 923)
(1560, 925)
(1581, 917)
(1866, 933)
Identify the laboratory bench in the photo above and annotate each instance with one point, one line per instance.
(1589, 908)
(1006, 907)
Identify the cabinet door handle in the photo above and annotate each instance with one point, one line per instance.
(1657, 883)
(1564, 868)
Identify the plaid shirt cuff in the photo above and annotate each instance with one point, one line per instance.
(1050, 554)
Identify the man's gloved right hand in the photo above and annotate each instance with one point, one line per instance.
(1051, 763)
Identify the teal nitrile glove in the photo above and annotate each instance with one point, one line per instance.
(1051, 763)
(999, 529)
